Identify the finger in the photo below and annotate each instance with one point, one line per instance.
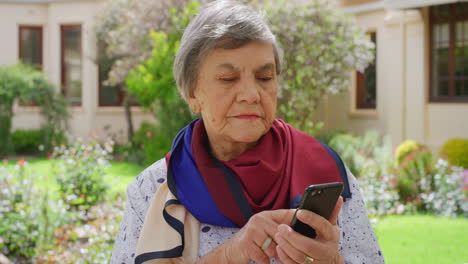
(270, 248)
(266, 221)
(258, 255)
(306, 245)
(281, 216)
(325, 230)
(334, 216)
(261, 227)
(293, 253)
(283, 257)
(270, 227)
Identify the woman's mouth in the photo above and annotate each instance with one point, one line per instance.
(247, 116)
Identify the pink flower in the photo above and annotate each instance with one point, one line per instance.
(21, 162)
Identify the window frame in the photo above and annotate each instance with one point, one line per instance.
(120, 94)
(451, 20)
(120, 91)
(41, 39)
(40, 52)
(62, 59)
(360, 81)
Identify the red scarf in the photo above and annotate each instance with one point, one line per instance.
(283, 163)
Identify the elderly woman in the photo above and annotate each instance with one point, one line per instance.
(225, 191)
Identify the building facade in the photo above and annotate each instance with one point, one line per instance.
(418, 86)
(59, 37)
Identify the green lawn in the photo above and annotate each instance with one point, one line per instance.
(118, 176)
(423, 239)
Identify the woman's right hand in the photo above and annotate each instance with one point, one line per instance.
(246, 244)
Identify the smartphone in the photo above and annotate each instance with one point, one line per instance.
(320, 199)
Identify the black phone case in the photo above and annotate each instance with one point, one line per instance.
(320, 199)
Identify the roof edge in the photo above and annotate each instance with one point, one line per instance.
(40, 1)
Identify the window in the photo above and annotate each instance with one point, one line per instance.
(71, 63)
(449, 53)
(109, 95)
(366, 83)
(30, 51)
(30, 45)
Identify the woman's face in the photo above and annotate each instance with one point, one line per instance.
(236, 92)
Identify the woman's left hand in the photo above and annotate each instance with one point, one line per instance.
(294, 248)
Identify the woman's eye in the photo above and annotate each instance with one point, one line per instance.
(265, 79)
(228, 79)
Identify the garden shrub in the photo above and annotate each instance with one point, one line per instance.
(79, 172)
(443, 194)
(370, 159)
(26, 141)
(377, 178)
(325, 136)
(129, 152)
(28, 214)
(36, 141)
(90, 242)
(24, 83)
(456, 152)
(154, 144)
(406, 148)
(354, 150)
(414, 162)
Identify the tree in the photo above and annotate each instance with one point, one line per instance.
(153, 84)
(24, 83)
(123, 31)
(321, 45)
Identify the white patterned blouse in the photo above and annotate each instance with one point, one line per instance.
(358, 243)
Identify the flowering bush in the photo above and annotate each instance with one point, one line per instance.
(377, 178)
(80, 172)
(355, 150)
(414, 162)
(370, 159)
(321, 45)
(444, 194)
(28, 215)
(91, 242)
(405, 149)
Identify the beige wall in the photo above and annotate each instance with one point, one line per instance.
(446, 121)
(347, 3)
(403, 110)
(88, 118)
(340, 112)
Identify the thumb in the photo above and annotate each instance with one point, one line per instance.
(334, 216)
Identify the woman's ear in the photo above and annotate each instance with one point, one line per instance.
(193, 104)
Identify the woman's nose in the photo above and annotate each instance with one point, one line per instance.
(248, 92)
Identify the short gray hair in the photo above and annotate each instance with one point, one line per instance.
(219, 24)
